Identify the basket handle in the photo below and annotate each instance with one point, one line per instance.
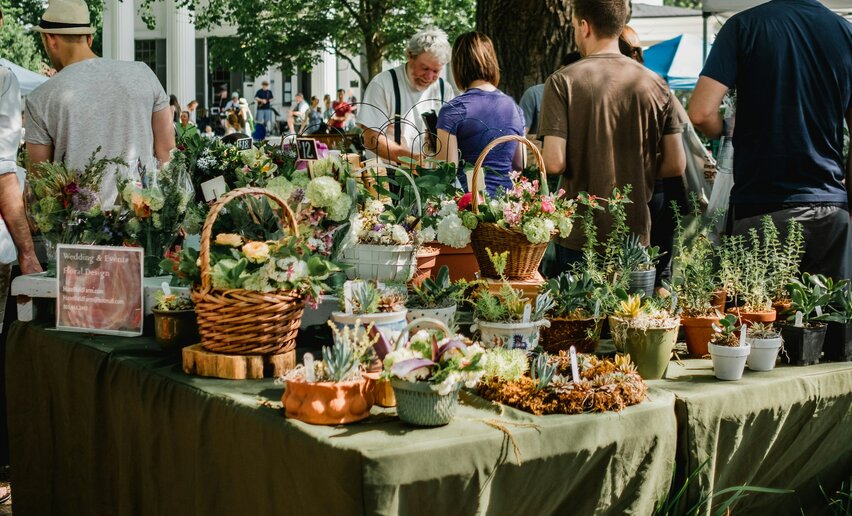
(488, 148)
(423, 321)
(358, 173)
(207, 230)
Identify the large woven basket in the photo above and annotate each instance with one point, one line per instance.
(244, 322)
(524, 256)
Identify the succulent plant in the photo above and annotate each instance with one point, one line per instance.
(763, 331)
(340, 360)
(725, 331)
(574, 294)
(437, 293)
(635, 256)
(631, 308)
(542, 371)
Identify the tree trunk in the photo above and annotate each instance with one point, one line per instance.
(530, 39)
(375, 56)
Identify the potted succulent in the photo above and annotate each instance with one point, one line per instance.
(428, 372)
(434, 299)
(838, 335)
(728, 349)
(332, 391)
(648, 332)
(506, 318)
(744, 272)
(364, 302)
(639, 262)
(175, 325)
(574, 320)
(803, 334)
(765, 341)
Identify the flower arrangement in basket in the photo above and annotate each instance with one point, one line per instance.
(249, 295)
(383, 239)
(522, 220)
(545, 384)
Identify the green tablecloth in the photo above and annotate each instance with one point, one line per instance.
(789, 428)
(106, 425)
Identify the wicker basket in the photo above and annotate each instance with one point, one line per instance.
(244, 322)
(524, 257)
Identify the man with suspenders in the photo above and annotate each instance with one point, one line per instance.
(398, 101)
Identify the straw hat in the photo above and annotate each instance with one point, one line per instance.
(65, 17)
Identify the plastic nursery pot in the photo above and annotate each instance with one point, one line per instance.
(650, 349)
(764, 353)
(509, 335)
(389, 323)
(327, 403)
(461, 262)
(838, 342)
(446, 315)
(749, 318)
(642, 282)
(803, 345)
(583, 334)
(698, 331)
(174, 329)
(729, 361)
(418, 404)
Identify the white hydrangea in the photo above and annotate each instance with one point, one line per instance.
(322, 191)
(399, 235)
(452, 232)
(427, 235)
(448, 208)
(339, 208)
(374, 207)
(564, 225)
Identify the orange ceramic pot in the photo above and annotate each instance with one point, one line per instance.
(749, 318)
(327, 403)
(426, 258)
(698, 331)
(782, 306)
(382, 391)
(719, 298)
(461, 262)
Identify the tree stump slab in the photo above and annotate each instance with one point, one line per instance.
(200, 362)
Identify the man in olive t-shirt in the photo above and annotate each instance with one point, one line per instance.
(607, 122)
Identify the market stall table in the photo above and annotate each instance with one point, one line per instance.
(112, 425)
(789, 428)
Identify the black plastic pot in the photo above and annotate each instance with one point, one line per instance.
(838, 342)
(642, 282)
(803, 346)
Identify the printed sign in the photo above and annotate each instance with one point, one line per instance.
(306, 149)
(99, 289)
(214, 188)
(243, 143)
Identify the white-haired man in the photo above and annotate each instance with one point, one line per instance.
(396, 99)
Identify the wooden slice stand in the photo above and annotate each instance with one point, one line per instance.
(530, 287)
(200, 362)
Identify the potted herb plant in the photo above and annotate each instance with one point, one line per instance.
(744, 273)
(783, 259)
(363, 302)
(838, 335)
(648, 332)
(332, 391)
(765, 341)
(434, 299)
(728, 350)
(506, 318)
(428, 372)
(175, 325)
(803, 334)
(573, 318)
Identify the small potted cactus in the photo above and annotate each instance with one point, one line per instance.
(729, 351)
(175, 324)
(573, 318)
(434, 299)
(765, 341)
(332, 391)
(364, 302)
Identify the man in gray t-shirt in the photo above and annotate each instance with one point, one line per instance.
(93, 102)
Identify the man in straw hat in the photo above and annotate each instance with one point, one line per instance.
(92, 102)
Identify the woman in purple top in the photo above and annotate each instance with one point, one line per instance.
(469, 122)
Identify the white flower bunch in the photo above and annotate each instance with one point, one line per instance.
(451, 231)
(538, 231)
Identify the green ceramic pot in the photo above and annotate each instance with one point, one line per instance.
(650, 349)
(418, 404)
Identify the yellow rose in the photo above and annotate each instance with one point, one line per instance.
(229, 239)
(257, 252)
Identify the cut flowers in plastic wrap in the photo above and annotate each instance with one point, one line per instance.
(444, 363)
(538, 215)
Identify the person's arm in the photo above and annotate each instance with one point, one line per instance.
(674, 158)
(448, 147)
(849, 162)
(15, 216)
(38, 153)
(385, 147)
(704, 106)
(164, 134)
(519, 159)
(554, 154)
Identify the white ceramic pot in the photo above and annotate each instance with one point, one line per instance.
(729, 362)
(391, 324)
(509, 335)
(380, 262)
(764, 353)
(445, 315)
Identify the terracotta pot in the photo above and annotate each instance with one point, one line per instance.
(382, 390)
(719, 299)
(749, 318)
(461, 262)
(782, 306)
(698, 331)
(174, 329)
(426, 257)
(327, 403)
(583, 334)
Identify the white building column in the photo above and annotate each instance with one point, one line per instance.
(324, 77)
(180, 52)
(118, 30)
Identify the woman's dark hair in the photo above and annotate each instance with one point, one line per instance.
(629, 44)
(474, 59)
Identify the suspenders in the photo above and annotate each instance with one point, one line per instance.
(397, 108)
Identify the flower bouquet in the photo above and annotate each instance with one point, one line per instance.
(427, 374)
(522, 220)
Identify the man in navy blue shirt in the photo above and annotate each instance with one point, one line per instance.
(790, 62)
(263, 99)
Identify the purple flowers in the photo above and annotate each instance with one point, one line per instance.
(82, 199)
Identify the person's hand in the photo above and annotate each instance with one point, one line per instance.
(29, 263)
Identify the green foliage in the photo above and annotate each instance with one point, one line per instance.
(725, 331)
(744, 271)
(488, 307)
(812, 291)
(763, 331)
(24, 13)
(694, 273)
(542, 371)
(574, 295)
(437, 293)
(635, 256)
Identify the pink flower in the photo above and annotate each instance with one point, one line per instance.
(514, 175)
(547, 205)
(512, 213)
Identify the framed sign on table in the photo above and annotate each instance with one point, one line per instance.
(99, 289)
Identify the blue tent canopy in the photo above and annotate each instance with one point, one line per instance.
(678, 60)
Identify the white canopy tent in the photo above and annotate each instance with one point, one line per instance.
(26, 79)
